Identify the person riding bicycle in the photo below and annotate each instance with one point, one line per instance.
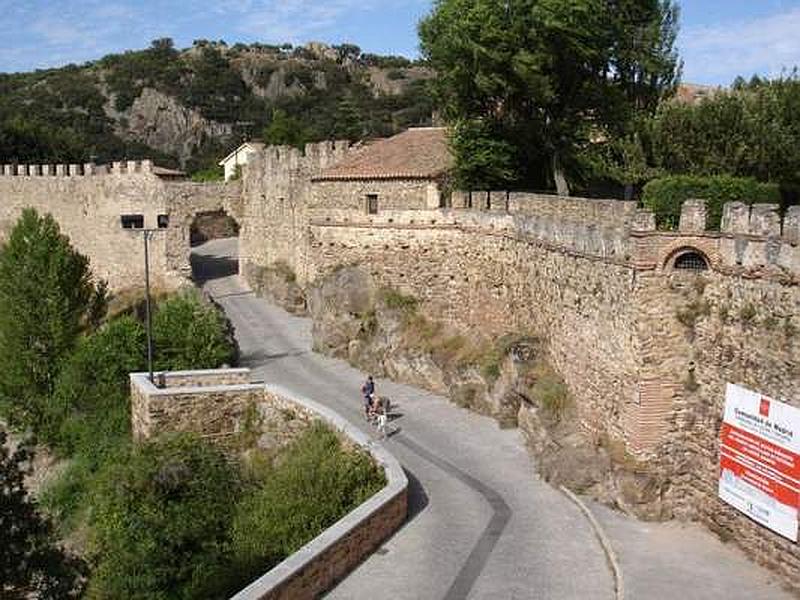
(368, 392)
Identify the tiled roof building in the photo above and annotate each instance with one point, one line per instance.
(419, 153)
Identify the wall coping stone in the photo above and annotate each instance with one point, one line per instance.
(142, 381)
(397, 484)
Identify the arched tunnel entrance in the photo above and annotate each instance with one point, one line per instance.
(214, 240)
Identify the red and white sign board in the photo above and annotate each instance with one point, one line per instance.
(760, 459)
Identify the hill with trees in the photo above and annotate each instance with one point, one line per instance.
(188, 107)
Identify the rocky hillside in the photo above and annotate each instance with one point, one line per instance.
(186, 107)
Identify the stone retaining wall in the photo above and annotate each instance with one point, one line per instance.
(325, 560)
(212, 403)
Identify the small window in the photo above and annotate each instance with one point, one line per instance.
(163, 221)
(132, 221)
(691, 261)
(372, 204)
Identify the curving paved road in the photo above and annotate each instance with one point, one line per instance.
(482, 525)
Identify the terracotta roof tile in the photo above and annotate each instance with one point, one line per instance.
(420, 153)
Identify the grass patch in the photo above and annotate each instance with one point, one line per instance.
(693, 312)
(395, 300)
(550, 392)
(283, 270)
(748, 313)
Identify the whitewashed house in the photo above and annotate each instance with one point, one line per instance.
(239, 157)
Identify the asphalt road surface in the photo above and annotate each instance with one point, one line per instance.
(481, 523)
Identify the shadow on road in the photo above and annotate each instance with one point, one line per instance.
(260, 358)
(417, 498)
(207, 268)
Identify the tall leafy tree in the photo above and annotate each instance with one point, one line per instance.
(31, 564)
(46, 295)
(546, 77)
(752, 131)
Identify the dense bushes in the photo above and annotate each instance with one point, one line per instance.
(188, 334)
(665, 196)
(88, 416)
(752, 130)
(31, 564)
(160, 521)
(313, 486)
(175, 519)
(90, 410)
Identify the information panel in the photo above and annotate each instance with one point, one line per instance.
(760, 459)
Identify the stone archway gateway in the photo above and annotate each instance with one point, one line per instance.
(198, 212)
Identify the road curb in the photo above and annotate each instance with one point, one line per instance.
(608, 549)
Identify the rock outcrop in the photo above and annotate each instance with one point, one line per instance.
(381, 332)
(161, 122)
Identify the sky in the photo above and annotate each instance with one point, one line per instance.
(719, 39)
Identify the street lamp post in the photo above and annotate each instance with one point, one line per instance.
(147, 233)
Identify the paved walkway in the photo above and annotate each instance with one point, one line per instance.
(482, 525)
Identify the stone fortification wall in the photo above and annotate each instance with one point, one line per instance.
(645, 347)
(497, 274)
(275, 197)
(737, 322)
(185, 200)
(88, 202)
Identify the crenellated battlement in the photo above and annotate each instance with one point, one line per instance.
(128, 167)
(284, 161)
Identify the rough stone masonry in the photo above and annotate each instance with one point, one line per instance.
(645, 327)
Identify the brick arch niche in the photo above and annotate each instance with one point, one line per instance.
(689, 259)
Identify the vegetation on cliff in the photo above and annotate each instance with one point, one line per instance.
(90, 112)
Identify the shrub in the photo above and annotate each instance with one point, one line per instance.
(90, 409)
(161, 521)
(665, 196)
(313, 486)
(550, 392)
(190, 334)
(209, 174)
(395, 300)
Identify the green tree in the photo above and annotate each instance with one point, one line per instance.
(46, 296)
(190, 334)
(750, 131)
(349, 124)
(161, 522)
(90, 409)
(547, 77)
(31, 564)
(285, 130)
